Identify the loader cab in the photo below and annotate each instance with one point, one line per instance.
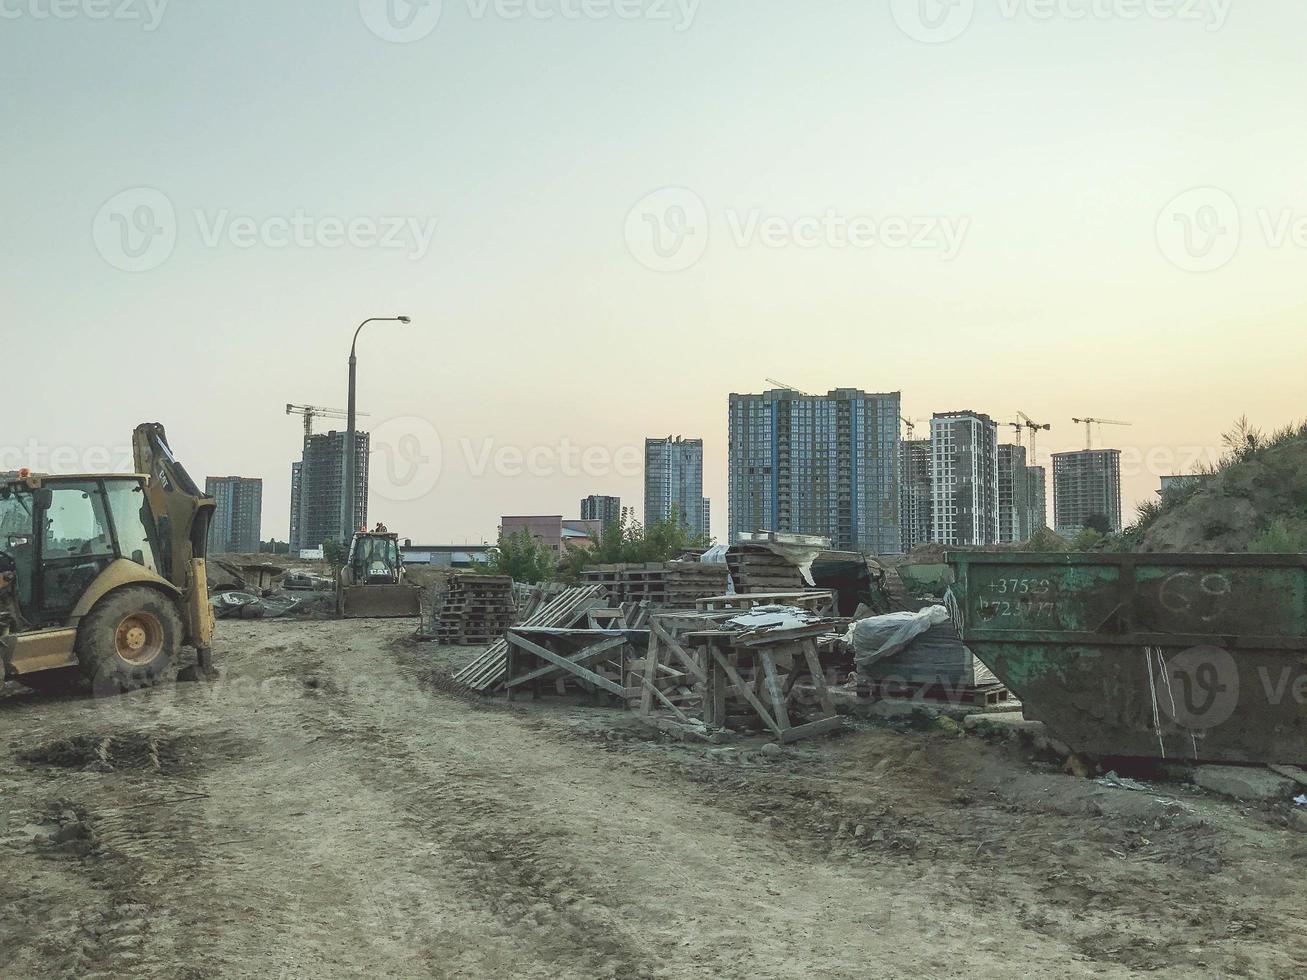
(374, 559)
(58, 534)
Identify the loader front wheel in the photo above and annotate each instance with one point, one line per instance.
(129, 640)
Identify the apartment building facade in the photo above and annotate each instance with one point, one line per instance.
(817, 464)
(1086, 486)
(673, 482)
(964, 478)
(237, 525)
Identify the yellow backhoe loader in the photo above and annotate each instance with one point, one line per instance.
(105, 573)
(373, 584)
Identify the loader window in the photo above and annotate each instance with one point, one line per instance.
(16, 538)
(131, 520)
(76, 544)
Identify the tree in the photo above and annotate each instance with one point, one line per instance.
(1100, 523)
(629, 541)
(333, 553)
(1086, 539)
(521, 557)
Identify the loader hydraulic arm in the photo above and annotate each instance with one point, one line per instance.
(182, 514)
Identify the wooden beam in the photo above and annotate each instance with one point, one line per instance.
(567, 665)
(774, 689)
(818, 677)
(745, 690)
(690, 662)
(578, 658)
(819, 727)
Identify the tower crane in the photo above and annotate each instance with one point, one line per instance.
(1034, 429)
(782, 384)
(311, 412)
(1089, 431)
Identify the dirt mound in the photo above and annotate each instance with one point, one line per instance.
(1255, 503)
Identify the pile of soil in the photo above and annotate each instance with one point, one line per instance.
(1233, 507)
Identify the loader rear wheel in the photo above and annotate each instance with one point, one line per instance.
(129, 640)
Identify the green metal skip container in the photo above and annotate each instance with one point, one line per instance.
(1177, 657)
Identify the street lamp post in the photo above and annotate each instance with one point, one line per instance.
(348, 517)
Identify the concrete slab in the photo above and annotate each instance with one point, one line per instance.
(1248, 783)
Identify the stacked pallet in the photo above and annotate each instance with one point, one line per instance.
(473, 611)
(758, 569)
(687, 582)
(660, 585)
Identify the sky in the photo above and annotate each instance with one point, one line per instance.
(604, 216)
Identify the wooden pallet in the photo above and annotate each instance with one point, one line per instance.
(487, 671)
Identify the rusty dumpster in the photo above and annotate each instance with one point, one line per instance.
(1178, 657)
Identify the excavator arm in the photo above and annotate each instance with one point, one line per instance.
(182, 514)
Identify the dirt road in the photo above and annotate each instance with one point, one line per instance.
(328, 809)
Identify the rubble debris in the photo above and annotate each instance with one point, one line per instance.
(246, 605)
(306, 582)
(1247, 783)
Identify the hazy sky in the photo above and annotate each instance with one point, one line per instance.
(605, 215)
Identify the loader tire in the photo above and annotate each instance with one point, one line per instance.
(129, 640)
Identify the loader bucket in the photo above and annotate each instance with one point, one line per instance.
(378, 601)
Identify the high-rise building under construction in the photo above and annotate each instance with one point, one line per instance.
(316, 488)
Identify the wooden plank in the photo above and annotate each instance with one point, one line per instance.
(819, 727)
(690, 662)
(579, 658)
(681, 715)
(651, 670)
(567, 665)
(774, 689)
(818, 677)
(745, 690)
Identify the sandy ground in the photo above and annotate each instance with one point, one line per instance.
(329, 809)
